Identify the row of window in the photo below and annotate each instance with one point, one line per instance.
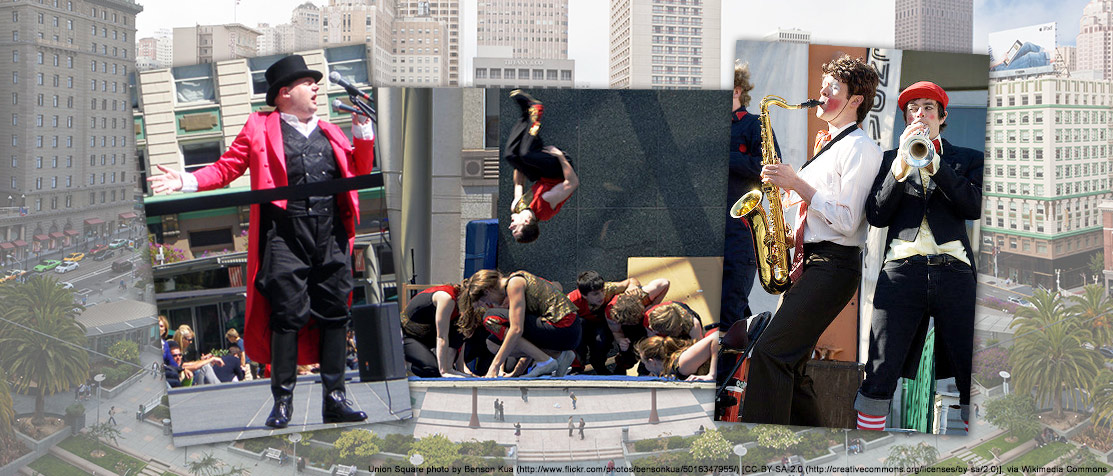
(1061, 189)
(524, 74)
(55, 60)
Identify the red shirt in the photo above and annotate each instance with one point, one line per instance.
(540, 206)
(451, 290)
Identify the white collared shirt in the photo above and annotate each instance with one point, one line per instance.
(842, 177)
(359, 131)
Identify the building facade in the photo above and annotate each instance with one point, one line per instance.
(523, 44)
(1047, 170)
(69, 177)
(935, 25)
(344, 22)
(212, 43)
(665, 44)
(447, 13)
(420, 52)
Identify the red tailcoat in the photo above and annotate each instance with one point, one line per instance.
(259, 147)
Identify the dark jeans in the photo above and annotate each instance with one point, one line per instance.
(778, 391)
(739, 270)
(596, 344)
(909, 291)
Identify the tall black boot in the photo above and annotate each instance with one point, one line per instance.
(284, 375)
(333, 352)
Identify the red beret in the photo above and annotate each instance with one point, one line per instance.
(925, 90)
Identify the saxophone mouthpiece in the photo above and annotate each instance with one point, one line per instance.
(811, 103)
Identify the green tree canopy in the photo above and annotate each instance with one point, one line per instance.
(776, 436)
(1014, 412)
(710, 447)
(436, 451)
(357, 444)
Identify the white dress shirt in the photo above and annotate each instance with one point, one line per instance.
(842, 177)
(359, 131)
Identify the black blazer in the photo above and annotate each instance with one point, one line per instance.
(955, 198)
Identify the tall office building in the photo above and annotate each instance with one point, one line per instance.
(212, 43)
(1047, 170)
(665, 44)
(1094, 42)
(523, 44)
(935, 25)
(68, 174)
(420, 55)
(156, 51)
(447, 12)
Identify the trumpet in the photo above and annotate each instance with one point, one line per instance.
(917, 151)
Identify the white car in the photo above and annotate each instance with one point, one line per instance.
(65, 284)
(1020, 301)
(117, 243)
(66, 267)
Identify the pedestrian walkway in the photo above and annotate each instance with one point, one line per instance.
(610, 415)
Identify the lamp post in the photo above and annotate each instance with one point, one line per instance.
(740, 451)
(295, 438)
(98, 378)
(416, 460)
(1005, 375)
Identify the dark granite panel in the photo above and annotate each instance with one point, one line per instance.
(652, 168)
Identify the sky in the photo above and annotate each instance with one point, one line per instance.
(867, 23)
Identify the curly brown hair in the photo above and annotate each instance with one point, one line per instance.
(471, 290)
(860, 76)
(629, 307)
(742, 81)
(670, 320)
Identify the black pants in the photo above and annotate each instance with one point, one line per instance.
(524, 152)
(421, 354)
(596, 344)
(778, 391)
(944, 291)
(536, 330)
(305, 271)
(739, 270)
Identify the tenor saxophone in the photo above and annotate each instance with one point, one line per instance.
(768, 226)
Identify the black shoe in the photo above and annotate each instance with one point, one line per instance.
(280, 414)
(336, 409)
(531, 108)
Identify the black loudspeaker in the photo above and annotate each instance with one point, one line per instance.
(379, 342)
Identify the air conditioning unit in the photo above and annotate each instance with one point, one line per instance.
(480, 165)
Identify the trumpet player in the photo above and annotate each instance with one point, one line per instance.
(829, 233)
(929, 267)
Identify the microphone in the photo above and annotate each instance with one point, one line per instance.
(339, 106)
(335, 78)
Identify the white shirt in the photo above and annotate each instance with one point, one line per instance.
(359, 131)
(842, 177)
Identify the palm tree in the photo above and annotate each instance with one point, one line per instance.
(7, 407)
(1102, 395)
(1048, 356)
(1093, 308)
(41, 344)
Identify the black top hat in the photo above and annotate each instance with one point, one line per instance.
(285, 71)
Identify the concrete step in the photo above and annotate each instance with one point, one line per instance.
(155, 468)
(574, 455)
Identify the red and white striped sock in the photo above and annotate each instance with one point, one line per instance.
(966, 425)
(871, 422)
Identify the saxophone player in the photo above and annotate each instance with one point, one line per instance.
(927, 252)
(739, 259)
(830, 230)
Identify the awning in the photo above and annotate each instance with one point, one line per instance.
(6, 246)
(19, 243)
(71, 232)
(93, 221)
(42, 237)
(127, 215)
(57, 234)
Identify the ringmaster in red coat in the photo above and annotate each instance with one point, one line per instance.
(299, 251)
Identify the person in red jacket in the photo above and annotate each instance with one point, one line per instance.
(299, 251)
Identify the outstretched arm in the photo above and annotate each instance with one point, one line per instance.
(168, 182)
(692, 358)
(563, 190)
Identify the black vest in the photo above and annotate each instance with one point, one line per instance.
(309, 160)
